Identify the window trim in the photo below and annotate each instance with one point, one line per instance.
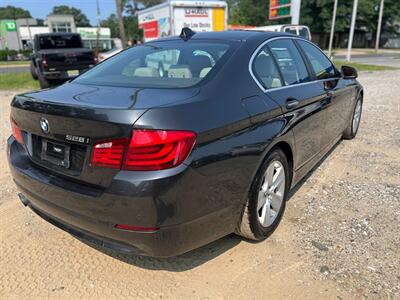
(305, 57)
(275, 64)
(253, 56)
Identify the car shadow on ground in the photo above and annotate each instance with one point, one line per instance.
(180, 263)
(199, 256)
(294, 190)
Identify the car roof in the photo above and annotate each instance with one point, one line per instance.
(233, 35)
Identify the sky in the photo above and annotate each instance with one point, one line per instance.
(41, 8)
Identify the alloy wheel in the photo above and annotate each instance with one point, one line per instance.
(357, 116)
(271, 194)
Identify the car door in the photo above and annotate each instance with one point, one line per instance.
(291, 86)
(336, 89)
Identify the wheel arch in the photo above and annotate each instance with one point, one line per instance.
(287, 147)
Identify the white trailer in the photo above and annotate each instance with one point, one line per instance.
(168, 18)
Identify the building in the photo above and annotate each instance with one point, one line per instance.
(18, 34)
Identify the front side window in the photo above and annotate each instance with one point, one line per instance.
(167, 64)
(265, 69)
(322, 66)
(290, 62)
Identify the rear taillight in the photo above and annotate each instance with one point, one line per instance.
(45, 62)
(109, 153)
(158, 149)
(146, 150)
(16, 132)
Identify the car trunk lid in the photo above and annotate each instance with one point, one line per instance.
(77, 116)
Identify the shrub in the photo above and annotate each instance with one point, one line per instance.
(3, 55)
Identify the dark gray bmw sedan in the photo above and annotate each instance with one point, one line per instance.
(175, 143)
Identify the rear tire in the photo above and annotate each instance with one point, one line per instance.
(352, 128)
(33, 71)
(271, 185)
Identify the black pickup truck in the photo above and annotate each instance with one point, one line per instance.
(58, 57)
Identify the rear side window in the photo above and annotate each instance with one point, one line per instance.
(290, 62)
(322, 66)
(265, 69)
(169, 64)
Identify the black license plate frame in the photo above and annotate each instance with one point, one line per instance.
(50, 147)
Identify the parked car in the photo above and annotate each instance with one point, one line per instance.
(161, 158)
(58, 57)
(104, 55)
(301, 30)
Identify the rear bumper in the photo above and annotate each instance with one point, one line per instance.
(91, 213)
(62, 73)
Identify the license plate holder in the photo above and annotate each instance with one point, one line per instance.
(73, 73)
(56, 153)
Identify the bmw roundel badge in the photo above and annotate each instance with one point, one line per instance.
(44, 124)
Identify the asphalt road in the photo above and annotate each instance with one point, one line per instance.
(14, 69)
(384, 59)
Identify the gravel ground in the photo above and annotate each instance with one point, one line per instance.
(339, 238)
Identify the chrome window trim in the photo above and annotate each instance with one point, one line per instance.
(284, 86)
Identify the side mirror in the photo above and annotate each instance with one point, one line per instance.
(349, 72)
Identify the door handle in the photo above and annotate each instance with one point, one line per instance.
(291, 103)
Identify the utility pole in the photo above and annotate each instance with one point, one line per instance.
(295, 11)
(121, 23)
(332, 29)
(351, 34)
(98, 28)
(378, 32)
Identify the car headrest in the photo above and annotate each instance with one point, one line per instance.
(198, 63)
(204, 72)
(179, 71)
(146, 72)
(264, 66)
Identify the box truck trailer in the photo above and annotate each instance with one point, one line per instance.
(168, 18)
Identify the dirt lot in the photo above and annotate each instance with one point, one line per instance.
(339, 238)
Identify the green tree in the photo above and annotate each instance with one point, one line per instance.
(317, 14)
(79, 16)
(12, 12)
(130, 23)
(249, 12)
(132, 6)
(112, 23)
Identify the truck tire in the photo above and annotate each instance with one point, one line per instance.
(43, 82)
(33, 71)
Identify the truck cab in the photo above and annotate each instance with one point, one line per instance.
(300, 30)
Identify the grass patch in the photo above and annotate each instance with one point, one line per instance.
(17, 62)
(362, 67)
(9, 81)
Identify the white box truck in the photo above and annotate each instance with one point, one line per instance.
(168, 18)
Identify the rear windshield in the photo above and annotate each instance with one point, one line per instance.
(60, 41)
(163, 64)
